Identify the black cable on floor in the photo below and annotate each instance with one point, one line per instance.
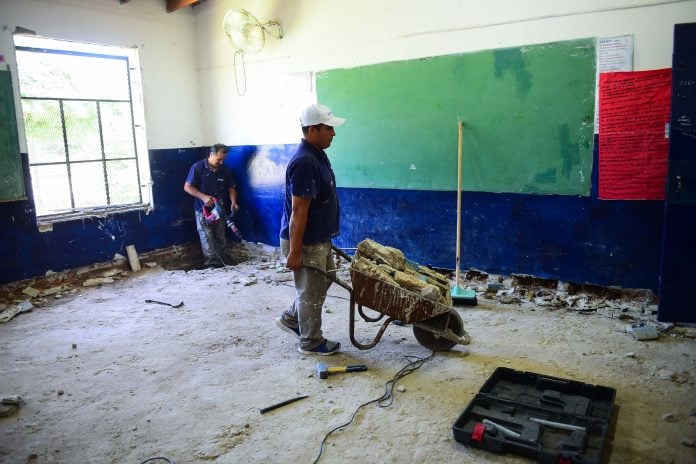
(414, 362)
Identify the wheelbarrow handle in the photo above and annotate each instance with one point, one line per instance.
(328, 276)
(341, 253)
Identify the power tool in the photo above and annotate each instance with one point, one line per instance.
(214, 213)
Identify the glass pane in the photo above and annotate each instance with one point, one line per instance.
(82, 130)
(117, 127)
(59, 75)
(123, 182)
(44, 131)
(88, 184)
(51, 189)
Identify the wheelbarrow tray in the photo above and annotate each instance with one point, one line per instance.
(394, 301)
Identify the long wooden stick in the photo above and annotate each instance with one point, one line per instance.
(459, 197)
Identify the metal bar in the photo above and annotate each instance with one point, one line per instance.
(103, 154)
(351, 328)
(558, 425)
(106, 100)
(503, 430)
(67, 152)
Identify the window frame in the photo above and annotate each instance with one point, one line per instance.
(136, 106)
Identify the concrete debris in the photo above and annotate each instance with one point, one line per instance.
(669, 417)
(389, 265)
(644, 331)
(97, 281)
(285, 277)
(151, 265)
(688, 442)
(20, 308)
(119, 257)
(111, 273)
(9, 405)
(55, 290)
(31, 292)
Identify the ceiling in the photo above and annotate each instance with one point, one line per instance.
(173, 5)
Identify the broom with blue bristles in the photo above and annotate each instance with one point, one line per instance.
(460, 295)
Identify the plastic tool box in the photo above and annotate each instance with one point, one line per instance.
(549, 419)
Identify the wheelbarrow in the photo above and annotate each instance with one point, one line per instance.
(436, 326)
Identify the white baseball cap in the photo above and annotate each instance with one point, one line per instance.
(319, 114)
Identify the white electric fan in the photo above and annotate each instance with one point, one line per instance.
(247, 35)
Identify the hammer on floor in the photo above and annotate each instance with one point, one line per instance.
(323, 370)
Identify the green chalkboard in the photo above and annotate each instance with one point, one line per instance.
(11, 179)
(527, 113)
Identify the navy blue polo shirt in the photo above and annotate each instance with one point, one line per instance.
(216, 183)
(309, 175)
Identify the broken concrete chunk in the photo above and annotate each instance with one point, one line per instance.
(96, 281)
(373, 250)
(31, 291)
(12, 311)
(644, 332)
(111, 273)
(54, 290)
(133, 258)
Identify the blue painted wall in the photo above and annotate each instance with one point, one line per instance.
(25, 252)
(571, 238)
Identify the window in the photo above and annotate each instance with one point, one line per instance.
(83, 121)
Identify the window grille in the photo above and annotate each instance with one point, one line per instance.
(82, 137)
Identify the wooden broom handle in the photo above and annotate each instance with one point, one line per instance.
(459, 197)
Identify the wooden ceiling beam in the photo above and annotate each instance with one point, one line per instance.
(173, 5)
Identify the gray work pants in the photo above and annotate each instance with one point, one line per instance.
(311, 288)
(213, 240)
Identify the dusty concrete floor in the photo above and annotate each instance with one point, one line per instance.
(108, 378)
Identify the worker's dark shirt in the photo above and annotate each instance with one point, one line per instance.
(309, 175)
(216, 184)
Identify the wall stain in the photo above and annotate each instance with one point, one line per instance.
(570, 151)
(512, 61)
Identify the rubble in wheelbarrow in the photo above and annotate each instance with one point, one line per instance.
(390, 265)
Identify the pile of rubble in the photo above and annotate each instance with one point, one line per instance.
(390, 265)
(635, 309)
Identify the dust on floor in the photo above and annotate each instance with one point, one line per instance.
(107, 378)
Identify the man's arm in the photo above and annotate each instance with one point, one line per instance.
(194, 192)
(233, 199)
(298, 223)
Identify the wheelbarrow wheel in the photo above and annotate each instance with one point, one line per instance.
(451, 320)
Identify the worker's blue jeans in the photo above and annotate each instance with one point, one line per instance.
(311, 287)
(213, 240)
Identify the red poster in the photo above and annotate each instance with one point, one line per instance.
(633, 144)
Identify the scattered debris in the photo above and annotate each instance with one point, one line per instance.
(133, 258)
(669, 417)
(10, 312)
(643, 331)
(97, 281)
(31, 292)
(9, 405)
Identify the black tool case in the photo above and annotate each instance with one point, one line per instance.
(549, 419)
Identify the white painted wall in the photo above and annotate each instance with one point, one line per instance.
(167, 54)
(323, 34)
